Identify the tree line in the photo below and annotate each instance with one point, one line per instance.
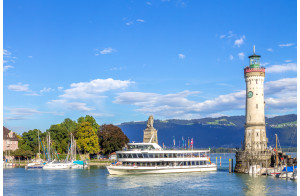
(91, 138)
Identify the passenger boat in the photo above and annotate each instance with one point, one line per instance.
(150, 158)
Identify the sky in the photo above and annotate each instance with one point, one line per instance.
(121, 61)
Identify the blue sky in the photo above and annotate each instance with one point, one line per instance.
(121, 61)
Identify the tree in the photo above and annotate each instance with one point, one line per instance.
(22, 153)
(70, 125)
(89, 119)
(29, 140)
(111, 138)
(59, 138)
(87, 138)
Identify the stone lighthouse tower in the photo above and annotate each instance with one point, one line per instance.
(254, 150)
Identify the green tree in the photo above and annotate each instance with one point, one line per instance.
(89, 119)
(111, 138)
(22, 153)
(59, 138)
(29, 140)
(87, 138)
(70, 125)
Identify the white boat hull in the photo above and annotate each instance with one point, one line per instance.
(124, 170)
(57, 166)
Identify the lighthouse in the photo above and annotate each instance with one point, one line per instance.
(254, 148)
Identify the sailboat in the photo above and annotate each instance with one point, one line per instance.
(55, 165)
(39, 163)
(77, 164)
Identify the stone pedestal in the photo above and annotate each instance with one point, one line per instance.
(150, 133)
(244, 159)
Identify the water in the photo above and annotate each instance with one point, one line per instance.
(96, 181)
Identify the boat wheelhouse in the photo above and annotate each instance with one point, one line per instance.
(146, 158)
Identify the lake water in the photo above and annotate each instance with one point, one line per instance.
(96, 181)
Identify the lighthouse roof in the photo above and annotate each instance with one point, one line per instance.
(254, 55)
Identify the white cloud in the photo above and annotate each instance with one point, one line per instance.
(129, 23)
(19, 87)
(62, 103)
(105, 51)
(222, 36)
(19, 113)
(280, 95)
(93, 89)
(288, 61)
(6, 52)
(140, 20)
(241, 55)
(270, 49)
(282, 68)
(6, 67)
(30, 57)
(46, 90)
(286, 45)
(148, 3)
(181, 56)
(264, 64)
(60, 88)
(240, 41)
(231, 57)
(117, 68)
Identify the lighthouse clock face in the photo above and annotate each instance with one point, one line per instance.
(250, 94)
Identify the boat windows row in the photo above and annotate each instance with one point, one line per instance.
(161, 164)
(160, 155)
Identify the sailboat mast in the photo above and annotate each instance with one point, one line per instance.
(71, 147)
(276, 151)
(39, 142)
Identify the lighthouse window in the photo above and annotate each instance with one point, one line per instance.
(256, 106)
(257, 134)
(256, 81)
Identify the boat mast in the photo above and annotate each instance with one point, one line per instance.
(276, 152)
(39, 142)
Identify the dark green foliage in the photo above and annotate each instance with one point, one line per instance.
(111, 139)
(29, 140)
(22, 153)
(60, 138)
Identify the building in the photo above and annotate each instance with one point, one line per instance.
(10, 140)
(150, 133)
(254, 149)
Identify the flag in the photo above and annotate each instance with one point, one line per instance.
(174, 140)
(209, 148)
(188, 142)
(182, 142)
(192, 142)
(163, 145)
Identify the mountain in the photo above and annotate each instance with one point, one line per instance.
(225, 131)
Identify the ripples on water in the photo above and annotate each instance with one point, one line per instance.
(96, 181)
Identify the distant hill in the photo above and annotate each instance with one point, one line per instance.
(225, 131)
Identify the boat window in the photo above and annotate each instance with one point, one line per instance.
(161, 155)
(129, 156)
(145, 155)
(134, 156)
(156, 155)
(165, 155)
(140, 155)
(150, 155)
(174, 155)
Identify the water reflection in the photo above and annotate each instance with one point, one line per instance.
(254, 185)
